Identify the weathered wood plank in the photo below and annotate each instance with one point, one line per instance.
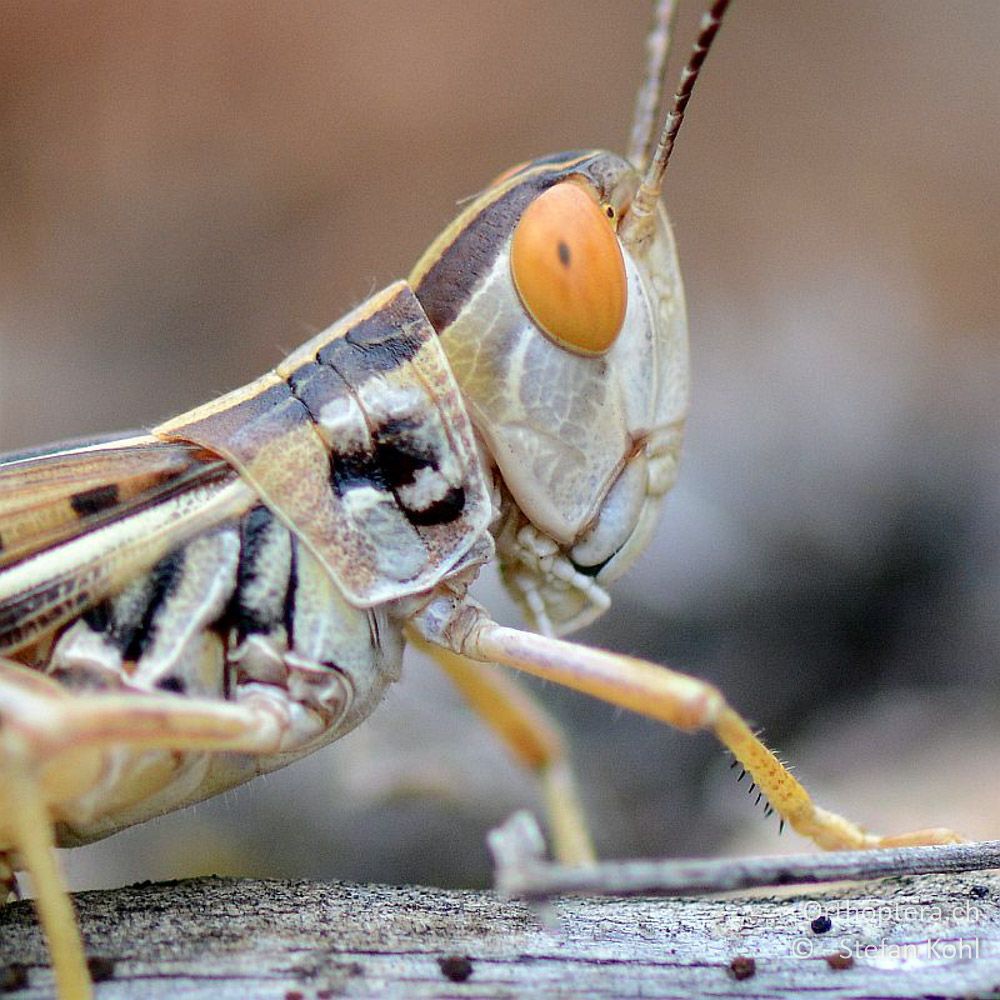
(239, 939)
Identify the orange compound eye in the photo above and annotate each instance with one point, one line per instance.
(568, 269)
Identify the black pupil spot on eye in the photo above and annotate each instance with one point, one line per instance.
(564, 254)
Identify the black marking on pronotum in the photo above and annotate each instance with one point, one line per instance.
(174, 684)
(442, 511)
(565, 256)
(89, 502)
(354, 469)
(379, 343)
(399, 457)
(166, 576)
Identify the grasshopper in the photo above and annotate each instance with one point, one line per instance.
(184, 609)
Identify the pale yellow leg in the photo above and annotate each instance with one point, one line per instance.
(535, 740)
(42, 727)
(686, 703)
(30, 827)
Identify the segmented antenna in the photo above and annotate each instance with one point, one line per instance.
(638, 223)
(649, 100)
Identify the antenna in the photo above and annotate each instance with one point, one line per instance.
(638, 223)
(649, 100)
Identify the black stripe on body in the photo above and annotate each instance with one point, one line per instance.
(379, 343)
(93, 501)
(165, 577)
(256, 533)
(98, 618)
(293, 586)
(445, 288)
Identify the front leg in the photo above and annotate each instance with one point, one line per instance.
(666, 695)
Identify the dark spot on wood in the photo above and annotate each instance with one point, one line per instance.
(840, 960)
(821, 924)
(294, 995)
(101, 969)
(565, 257)
(90, 502)
(979, 892)
(443, 511)
(457, 968)
(742, 967)
(13, 977)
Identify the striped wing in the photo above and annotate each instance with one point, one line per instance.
(78, 522)
(51, 496)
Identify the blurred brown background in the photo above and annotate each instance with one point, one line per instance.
(189, 190)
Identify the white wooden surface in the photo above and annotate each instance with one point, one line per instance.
(232, 938)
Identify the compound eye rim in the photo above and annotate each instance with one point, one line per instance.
(568, 268)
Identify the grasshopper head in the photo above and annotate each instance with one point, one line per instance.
(557, 298)
(570, 347)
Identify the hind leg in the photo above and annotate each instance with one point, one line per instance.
(53, 749)
(29, 828)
